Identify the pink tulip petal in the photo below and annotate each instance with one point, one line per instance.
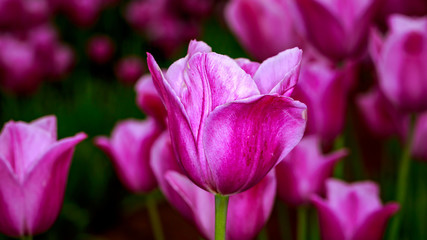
(374, 226)
(279, 74)
(47, 123)
(163, 160)
(330, 225)
(45, 185)
(247, 138)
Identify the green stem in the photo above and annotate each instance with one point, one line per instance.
(156, 224)
(302, 223)
(263, 234)
(28, 237)
(221, 206)
(402, 181)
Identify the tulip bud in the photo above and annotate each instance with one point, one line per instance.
(34, 168)
(352, 211)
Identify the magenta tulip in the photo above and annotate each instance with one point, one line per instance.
(83, 13)
(148, 99)
(227, 128)
(247, 211)
(129, 149)
(352, 211)
(129, 69)
(338, 29)
(381, 117)
(33, 169)
(324, 89)
(304, 171)
(100, 49)
(262, 23)
(401, 62)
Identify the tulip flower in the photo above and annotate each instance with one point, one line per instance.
(19, 66)
(34, 168)
(262, 23)
(83, 13)
(129, 69)
(401, 62)
(338, 29)
(352, 211)
(324, 89)
(248, 211)
(100, 49)
(148, 100)
(129, 150)
(304, 171)
(405, 7)
(380, 116)
(227, 128)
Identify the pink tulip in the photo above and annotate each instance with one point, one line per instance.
(259, 23)
(352, 211)
(83, 13)
(338, 29)
(247, 211)
(148, 99)
(227, 128)
(324, 89)
(34, 168)
(129, 69)
(304, 171)
(129, 150)
(100, 49)
(19, 66)
(405, 7)
(381, 117)
(162, 161)
(401, 62)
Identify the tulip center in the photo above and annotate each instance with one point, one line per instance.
(413, 43)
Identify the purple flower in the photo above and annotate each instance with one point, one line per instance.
(304, 171)
(324, 89)
(352, 211)
(262, 23)
(129, 69)
(148, 99)
(401, 62)
(230, 129)
(129, 149)
(100, 49)
(33, 169)
(338, 29)
(247, 211)
(419, 150)
(381, 117)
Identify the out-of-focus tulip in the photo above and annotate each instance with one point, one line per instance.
(247, 211)
(419, 150)
(129, 149)
(405, 7)
(35, 12)
(401, 62)
(100, 49)
(129, 69)
(163, 27)
(33, 169)
(381, 117)
(19, 66)
(83, 13)
(63, 60)
(352, 211)
(197, 8)
(162, 161)
(304, 171)
(10, 13)
(324, 89)
(148, 99)
(229, 129)
(338, 29)
(259, 23)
